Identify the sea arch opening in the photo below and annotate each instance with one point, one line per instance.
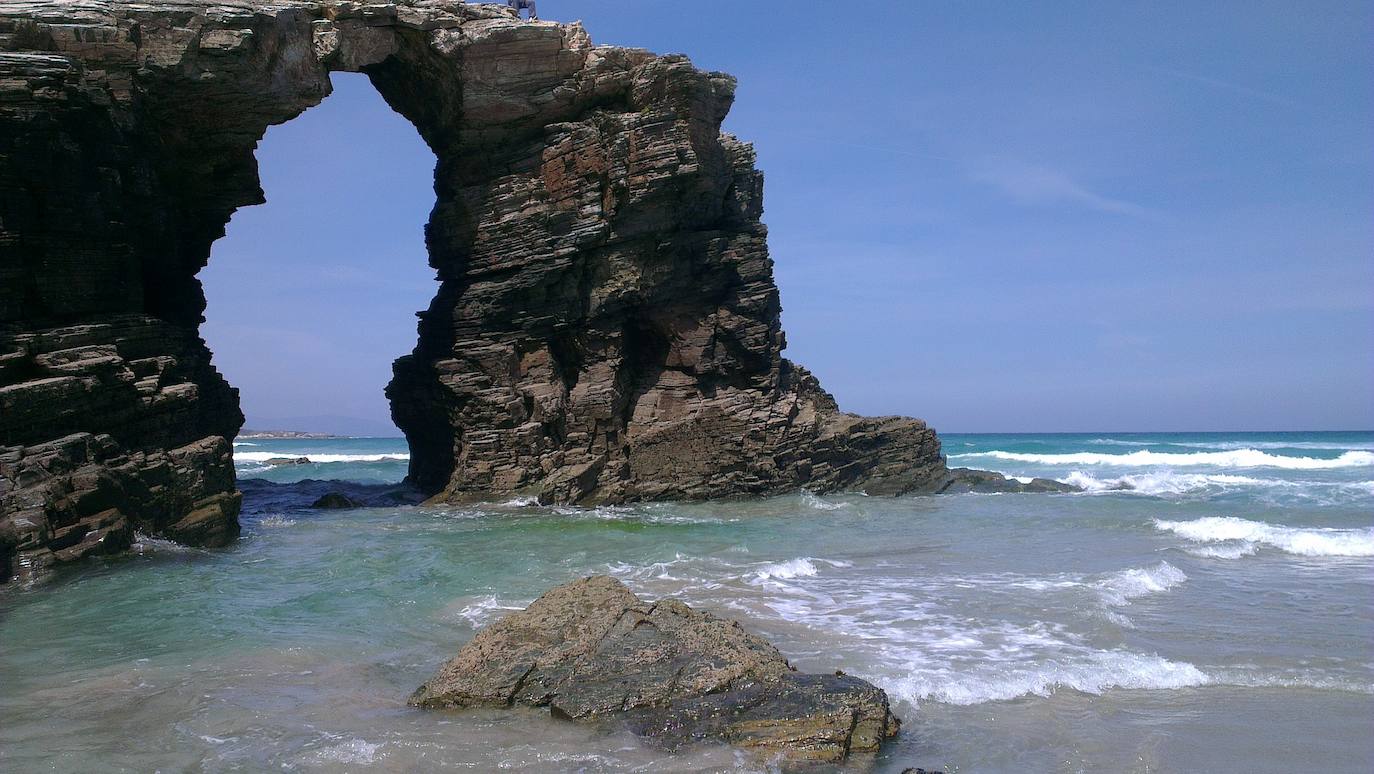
(311, 290)
(312, 295)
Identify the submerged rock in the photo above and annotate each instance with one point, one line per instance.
(335, 501)
(969, 480)
(280, 461)
(592, 650)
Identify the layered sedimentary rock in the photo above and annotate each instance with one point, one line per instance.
(591, 650)
(606, 326)
(106, 428)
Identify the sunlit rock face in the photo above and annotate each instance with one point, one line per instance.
(606, 328)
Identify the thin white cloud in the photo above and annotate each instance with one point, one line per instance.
(894, 151)
(1235, 88)
(1040, 185)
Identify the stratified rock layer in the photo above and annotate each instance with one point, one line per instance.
(606, 326)
(592, 650)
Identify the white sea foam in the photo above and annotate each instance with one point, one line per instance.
(1167, 482)
(641, 513)
(1312, 445)
(1090, 672)
(483, 610)
(237, 444)
(921, 640)
(801, 567)
(1256, 677)
(815, 501)
(1309, 541)
(317, 458)
(696, 573)
(1173, 483)
(1228, 550)
(918, 639)
(276, 522)
(1119, 588)
(1240, 458)
(352, 751)
(146, 544)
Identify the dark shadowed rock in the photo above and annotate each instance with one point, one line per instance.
(960, 480)
(84, 495)
(335, 501)
(591, 650)
(262, 497)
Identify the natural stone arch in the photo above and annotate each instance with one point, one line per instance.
(607, 327)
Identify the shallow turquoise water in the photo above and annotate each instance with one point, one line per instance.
(1217, 615)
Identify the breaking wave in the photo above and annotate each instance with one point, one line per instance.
(482, 610)
(1314, 445)
(813, 500)
(1224, 550)
(801, 567)
(318, 458)
(147, 544)
(1093, 672)
(1241, 536)
(911, 637)
(1240, 458)
(1166, 482)
(1119, 588)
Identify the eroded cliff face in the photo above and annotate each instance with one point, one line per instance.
(606, 329)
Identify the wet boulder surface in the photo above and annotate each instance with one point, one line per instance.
(592, 651)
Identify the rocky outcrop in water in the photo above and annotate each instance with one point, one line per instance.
(335, 501)
(84, 495)
(106, 428)
(961, 480)
(591, 650)
(606, 327)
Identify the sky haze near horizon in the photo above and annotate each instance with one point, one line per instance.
(1033, 217)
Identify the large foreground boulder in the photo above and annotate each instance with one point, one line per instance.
(592, 650)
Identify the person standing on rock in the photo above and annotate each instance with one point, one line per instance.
(519, 5)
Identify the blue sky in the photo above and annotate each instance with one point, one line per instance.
(1044, 216)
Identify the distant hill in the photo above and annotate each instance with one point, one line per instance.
(282, 434)
(323, 425)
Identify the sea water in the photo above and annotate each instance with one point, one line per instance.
(1207, 604)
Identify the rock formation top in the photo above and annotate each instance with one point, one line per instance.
(592, 650)
(606, 327)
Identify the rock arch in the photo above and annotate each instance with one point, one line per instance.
(607, 327)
